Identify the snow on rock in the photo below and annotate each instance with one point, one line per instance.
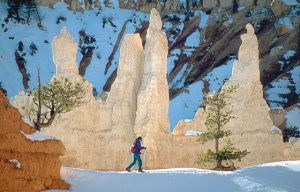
(27, 121)
(171, 63)
(279, 176)
(290, 2)
(293, 117)
(18, 164)
(219, 75)
(185, 104)
(289, 54)
(37, 136)
(193, 132)
(203, 19)
(274, 128)
(281, 87)
(241, 8)
(193, 40)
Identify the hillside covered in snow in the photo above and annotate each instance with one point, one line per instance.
(202, 49)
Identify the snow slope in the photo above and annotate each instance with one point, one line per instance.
(273, 177)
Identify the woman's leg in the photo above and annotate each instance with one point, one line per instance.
(139, 160)
(134, 160)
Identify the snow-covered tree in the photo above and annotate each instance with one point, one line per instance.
(218, 115)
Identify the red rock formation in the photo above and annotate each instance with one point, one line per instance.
(27, 164)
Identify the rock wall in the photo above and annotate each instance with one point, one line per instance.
(26, 164)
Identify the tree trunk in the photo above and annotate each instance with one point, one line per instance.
(39, 102)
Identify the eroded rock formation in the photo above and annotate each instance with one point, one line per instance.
(98, 135)
(64, 50)
(29, 160)
(251, 130)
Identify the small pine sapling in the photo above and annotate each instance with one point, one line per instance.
(218, 115)
(33, 48)
(20, 46)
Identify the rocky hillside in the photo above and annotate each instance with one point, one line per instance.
(203, 39)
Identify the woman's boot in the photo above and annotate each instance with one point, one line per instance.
(140, 170)
(128, 169)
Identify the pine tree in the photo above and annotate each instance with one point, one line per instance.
(291, 131)
(20, 46)
(33, 48)
(60, 96)
(218, 115)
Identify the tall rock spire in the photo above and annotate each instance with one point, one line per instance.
(153, 96)
(121, 104)
(64, 50)
(251, 130)
(247, 66)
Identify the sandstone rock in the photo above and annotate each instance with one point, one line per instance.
(278, 118)
(196, 124)
(27, 164)
(104, 129)
(122, 99)
(168, 5)
(153, 99)
(251, 129)
(274, 51)
(97, 3)
(64, 50)
(175, 5)
(246, 3)
(208, 4)
(47, 3)
(226, 3)
(279, 7)
(283, 26)
(296, 22)
(22, 100)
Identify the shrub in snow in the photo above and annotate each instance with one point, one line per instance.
(218, 116)
(20, 46)
(292, 131)
(60, 18)
(104, 21)
(33, 48)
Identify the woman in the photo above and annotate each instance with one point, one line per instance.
(136, 151)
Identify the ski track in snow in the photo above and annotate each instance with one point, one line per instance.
(273, 177)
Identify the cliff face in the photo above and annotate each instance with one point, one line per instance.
(29, 160)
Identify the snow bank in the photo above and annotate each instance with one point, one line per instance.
(37, 136)
(279, 176)
(193, 132)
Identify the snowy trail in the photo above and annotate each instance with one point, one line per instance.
(279, 177)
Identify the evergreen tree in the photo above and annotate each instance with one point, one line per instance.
(20, 46)
(291, 131)
(218, 115)
(23, 10)
(33, 48)
(60, 96)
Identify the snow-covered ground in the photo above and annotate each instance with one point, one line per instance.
(272, 177)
